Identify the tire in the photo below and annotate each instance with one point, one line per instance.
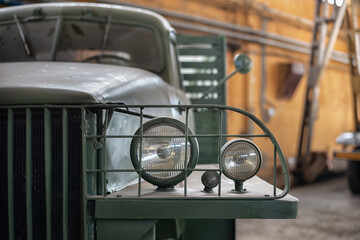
(353, 176)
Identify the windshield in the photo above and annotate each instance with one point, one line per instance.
(94, 41)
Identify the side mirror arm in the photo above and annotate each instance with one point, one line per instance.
(242, 64)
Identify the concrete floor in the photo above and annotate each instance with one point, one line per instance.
(327, 210)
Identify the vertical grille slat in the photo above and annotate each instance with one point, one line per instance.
(38, 180)
(75, 176)
(40, 173)
(56, 173)
(65, 171)
(19, 166)
(10, 172)
(48, 165)
(4, 228)
(29, 226)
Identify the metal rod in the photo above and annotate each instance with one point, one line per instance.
(275, 173)
(140, 152)
(220, 24)
(134, 113)
(104, 151)
(186, 149)
(354, 18)
(10, 165)
(29, 225)
(265, 116)
(336, 55)
(151, 170)
(219, 148)
(54, 46)
(48, 168)
(206, 93)
(21, 32)
(84, 176)
(181, 136)
(323, 33)
(65, 172)
(333, 37)
(105, 35)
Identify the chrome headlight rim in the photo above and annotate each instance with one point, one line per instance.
(191, 161)
(227, 145)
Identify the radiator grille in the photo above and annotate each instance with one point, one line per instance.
(35, 196)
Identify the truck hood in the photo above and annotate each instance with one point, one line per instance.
(64, 82)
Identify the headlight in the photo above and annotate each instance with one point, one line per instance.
(164, 153)
(240, 160)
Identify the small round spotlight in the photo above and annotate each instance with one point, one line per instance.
(164, 153)
(240, 160)
(210, 179)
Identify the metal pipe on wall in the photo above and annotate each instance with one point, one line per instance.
(234, 31)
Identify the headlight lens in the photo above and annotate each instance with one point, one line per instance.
(240, 159)
(165, 153)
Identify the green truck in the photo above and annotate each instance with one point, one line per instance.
(99, 138)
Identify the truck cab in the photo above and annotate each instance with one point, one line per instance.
(99, 139)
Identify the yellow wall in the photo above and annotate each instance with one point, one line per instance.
(335, 113)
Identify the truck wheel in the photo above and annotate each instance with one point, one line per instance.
(353, 176)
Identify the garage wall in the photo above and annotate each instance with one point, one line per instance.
(291, 19)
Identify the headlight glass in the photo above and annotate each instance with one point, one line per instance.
(240, 159)
(163, 153)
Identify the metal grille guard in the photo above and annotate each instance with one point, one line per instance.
(139, 110)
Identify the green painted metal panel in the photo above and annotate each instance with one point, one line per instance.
(204, 65)
(170, 228)
(196, 39)
(150, 234)
(202, 61)
(209, 229)
(195, 209)
(201, 77)
(125, 229)
(199, 51)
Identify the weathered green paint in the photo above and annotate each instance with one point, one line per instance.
(170, 228)
(195, 209)
(150, 234)
(209, 229)
(125, 229)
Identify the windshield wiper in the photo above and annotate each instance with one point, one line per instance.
(22, 35)
(105, 35)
